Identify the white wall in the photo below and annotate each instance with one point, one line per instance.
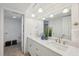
(33, 27)
(75, 18)
(12, 29)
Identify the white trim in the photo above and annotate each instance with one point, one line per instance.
(22, 34)
(2, 32)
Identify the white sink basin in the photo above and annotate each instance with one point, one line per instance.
(56, 45)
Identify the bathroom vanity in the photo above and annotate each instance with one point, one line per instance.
(38, 47)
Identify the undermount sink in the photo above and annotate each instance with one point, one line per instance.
(56, 45)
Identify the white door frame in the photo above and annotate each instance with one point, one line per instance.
(22, 36)
(1, 32)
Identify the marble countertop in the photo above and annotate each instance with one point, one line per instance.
(49, 46)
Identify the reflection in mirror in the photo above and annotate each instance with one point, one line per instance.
(60, 25)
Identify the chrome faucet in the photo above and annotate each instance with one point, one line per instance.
(60, 38)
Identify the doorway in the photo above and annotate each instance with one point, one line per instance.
(13, 33)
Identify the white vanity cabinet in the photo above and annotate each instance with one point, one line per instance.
(36, 49)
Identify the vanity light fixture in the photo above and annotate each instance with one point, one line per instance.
(14, 17)
(65, 10)
(33, 15)
(51, 16)
(40, 10)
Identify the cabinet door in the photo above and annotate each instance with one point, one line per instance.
(31, 47)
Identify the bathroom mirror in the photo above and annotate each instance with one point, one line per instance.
(59, 24)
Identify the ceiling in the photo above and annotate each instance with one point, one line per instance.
(21, 7)
(18, 9)
(31, 8)
(45, 6)
(48, 9)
